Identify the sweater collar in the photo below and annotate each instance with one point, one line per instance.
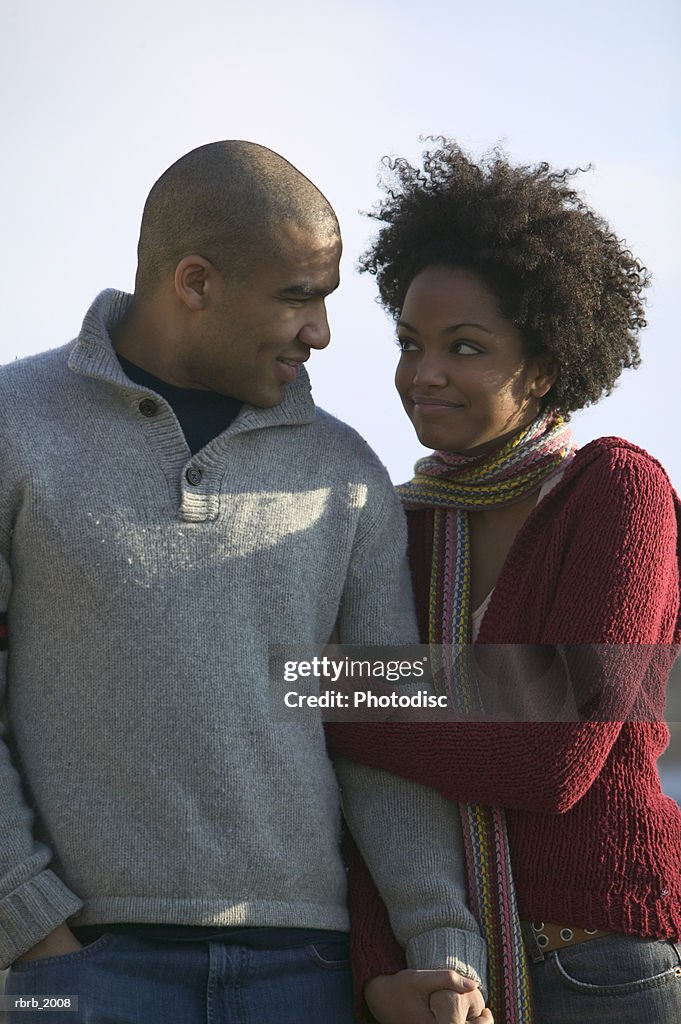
(93, 355)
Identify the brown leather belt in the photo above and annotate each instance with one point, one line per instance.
(557, 936)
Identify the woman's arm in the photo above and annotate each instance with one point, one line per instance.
(538, 767)
(618, 584)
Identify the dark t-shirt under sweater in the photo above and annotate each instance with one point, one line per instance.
(201, 414)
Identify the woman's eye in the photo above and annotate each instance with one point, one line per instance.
(464, 348)
(459, 348)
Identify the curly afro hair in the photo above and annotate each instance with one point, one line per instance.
(556, 269)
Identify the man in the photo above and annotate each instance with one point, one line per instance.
(172, 504)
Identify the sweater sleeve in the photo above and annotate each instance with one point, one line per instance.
(33, 900)
(377, 606)
(617, 584)
(411, 841)
(409, 836)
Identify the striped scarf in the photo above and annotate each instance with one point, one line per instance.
(454, 485)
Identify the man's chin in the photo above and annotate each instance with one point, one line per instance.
(267, 401)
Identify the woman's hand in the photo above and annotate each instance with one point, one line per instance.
(449, 1008)
(426, 997)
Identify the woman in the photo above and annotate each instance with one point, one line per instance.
(516, 305)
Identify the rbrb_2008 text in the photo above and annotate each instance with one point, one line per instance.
(366, 699)
(38, 1003)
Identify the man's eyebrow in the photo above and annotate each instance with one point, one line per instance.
(453, 327)
(308, 291)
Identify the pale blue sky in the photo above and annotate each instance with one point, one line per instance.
(99, 98)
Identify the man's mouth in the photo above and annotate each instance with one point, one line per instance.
(289, 368)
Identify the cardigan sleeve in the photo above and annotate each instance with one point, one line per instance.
(616, 582)
(615, 566)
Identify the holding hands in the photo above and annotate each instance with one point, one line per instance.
(426, 997)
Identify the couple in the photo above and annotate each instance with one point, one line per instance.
(173, 503)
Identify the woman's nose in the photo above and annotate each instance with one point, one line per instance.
(430, 371)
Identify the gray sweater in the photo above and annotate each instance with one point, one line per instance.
(147, 780)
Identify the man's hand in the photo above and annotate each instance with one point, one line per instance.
(60, 941)
(426, 997)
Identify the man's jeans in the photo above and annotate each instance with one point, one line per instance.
(125, 979)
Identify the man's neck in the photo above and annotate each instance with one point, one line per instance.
(144, 337)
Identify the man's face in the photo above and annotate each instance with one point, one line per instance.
(255, 333)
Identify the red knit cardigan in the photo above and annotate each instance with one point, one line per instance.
(593, 840)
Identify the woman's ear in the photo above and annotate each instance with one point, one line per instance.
(543, 374)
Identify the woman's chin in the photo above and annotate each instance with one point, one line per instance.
(454, 444)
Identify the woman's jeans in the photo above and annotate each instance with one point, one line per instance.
(617, 979)
(125, 979)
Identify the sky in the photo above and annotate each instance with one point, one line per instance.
(98, 99)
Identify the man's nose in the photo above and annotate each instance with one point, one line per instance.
(316, 332)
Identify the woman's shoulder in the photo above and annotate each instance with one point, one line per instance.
(611, 465)
(616, 451)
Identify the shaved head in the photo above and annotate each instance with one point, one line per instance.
(228, 202)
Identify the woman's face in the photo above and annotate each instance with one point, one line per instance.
(462, 375)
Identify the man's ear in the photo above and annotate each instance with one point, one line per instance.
(194, 277)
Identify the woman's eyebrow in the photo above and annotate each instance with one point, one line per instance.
(454, 327)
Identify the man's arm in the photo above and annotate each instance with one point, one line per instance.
(409, 836)
(411, 841)
(34, 902)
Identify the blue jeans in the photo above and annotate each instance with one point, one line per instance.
(618, 979)
(126, 979)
